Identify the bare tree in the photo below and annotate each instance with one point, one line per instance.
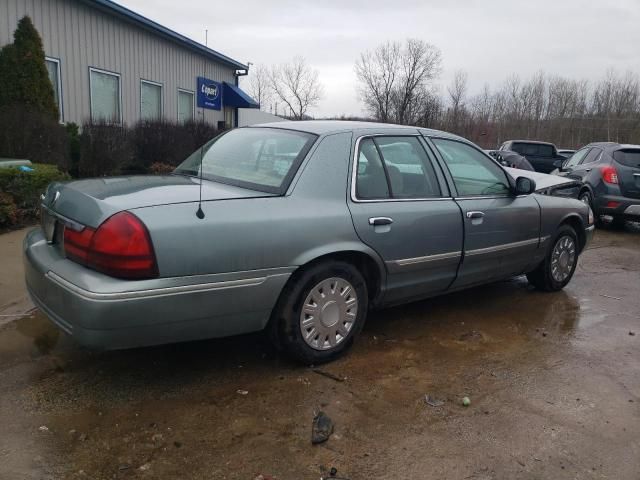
(297, 85)
(377, 71)
(457, 94)
(395, 80)
(259, 86)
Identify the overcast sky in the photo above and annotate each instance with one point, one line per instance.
(490, 39)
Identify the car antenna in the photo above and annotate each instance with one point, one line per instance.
(199, 212)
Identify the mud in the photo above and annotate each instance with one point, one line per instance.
(553, 379)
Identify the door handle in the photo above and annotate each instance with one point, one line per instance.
(587, 169)
(474, 215)
(380, 221)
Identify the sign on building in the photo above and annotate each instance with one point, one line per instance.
(209, 94)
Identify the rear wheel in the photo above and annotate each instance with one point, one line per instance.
(558, 267)
(321, 312)
(586, 198)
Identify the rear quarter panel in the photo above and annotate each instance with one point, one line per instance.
(261, 233)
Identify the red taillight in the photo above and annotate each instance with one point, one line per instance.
(120, 247)
(76, 244)
(610, 175)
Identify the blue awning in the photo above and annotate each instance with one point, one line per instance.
(233, 96)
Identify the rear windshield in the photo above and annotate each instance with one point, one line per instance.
(263, 159)
(533, 149)
(630, 158)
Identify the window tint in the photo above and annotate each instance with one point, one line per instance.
(545, 150)
(53, 69)
(371, 181)
(593, 156)
(409, 169)
(150, 100)
(263, 159)
(628, 157)
(473, 172)
(576, 158)
(185, 106)
(105, 96)
(533, 149)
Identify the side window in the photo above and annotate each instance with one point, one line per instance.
(576, 158)
(408, 167)
(594, 155)
(371, 180)
(545, 150)
(473, 173)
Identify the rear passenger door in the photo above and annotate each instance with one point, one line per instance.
(585, 164)
(401, 208)
(501, 230)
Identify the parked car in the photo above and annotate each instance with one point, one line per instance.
(610, 173)
(566, 153)
(302, 229)
(541, 155)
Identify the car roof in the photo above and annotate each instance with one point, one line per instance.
(613, 145)
(324, 127)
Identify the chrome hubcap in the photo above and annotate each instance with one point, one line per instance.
(563, 258)
(328, 313)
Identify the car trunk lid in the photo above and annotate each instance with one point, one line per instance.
(627, 163)
(90, 202)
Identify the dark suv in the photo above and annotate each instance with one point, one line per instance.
(611, 176)
(541, 155)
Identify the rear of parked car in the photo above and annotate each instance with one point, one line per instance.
(611, 176)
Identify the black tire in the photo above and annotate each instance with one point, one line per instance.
(542, 277)
(586, 198)
(285, 326)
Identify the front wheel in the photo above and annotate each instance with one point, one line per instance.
(320, 312)
(559, 265)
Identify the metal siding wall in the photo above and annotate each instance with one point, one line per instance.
(83, 37)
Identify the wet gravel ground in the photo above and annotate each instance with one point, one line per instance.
(553, 379)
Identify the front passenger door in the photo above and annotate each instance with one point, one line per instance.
(501, 230)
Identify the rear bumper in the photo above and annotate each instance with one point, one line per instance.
(628, 208)
(115, 314)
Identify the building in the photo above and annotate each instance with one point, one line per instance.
(107, 62)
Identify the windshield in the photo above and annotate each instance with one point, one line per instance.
(263, 159)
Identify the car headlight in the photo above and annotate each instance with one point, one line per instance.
(591, 218)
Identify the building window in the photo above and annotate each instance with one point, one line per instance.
(185, 105)
(106, 103)
(150, 100)
(53, 69)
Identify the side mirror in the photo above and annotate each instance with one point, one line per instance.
(558, 163)
(525, 186)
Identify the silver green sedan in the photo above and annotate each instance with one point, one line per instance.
(298, 228)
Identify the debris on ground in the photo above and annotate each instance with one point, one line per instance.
(632, 333)
(473, 335)
(322, 428)
(432, 401)
(609, 296)
(466, 401)
(144, 467)
(264, 477)
(242, 392)
(43, 428)
(328, 375)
